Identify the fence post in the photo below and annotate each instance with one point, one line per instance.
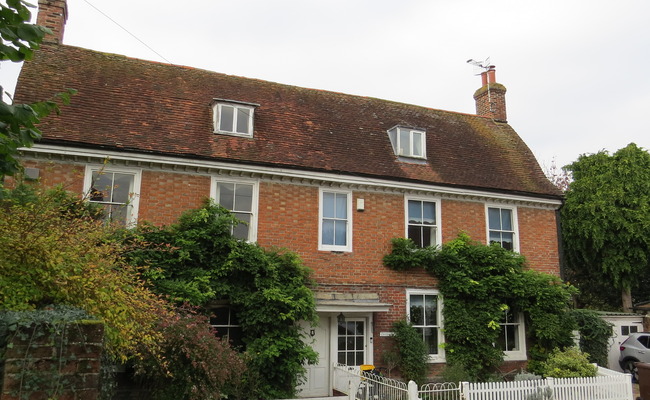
(412, 391)
(550, 383)
(352, 391)
(464, 390)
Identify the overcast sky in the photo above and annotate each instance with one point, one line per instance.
(577, 71)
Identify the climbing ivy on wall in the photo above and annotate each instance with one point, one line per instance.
(198, 261)
(479, 283)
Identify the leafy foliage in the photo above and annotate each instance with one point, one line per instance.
(594, 335)
(413, 353)
(406, 255)
(568, 363)
(606, 219)
(18, 121)
(489, 280)
(197, 364)
(198, 261)
(54, 252)
(19, 37)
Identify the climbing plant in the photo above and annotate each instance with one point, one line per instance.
(198, 261)
(594, 335)
(479, 283)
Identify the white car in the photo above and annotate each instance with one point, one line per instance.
(636, 348)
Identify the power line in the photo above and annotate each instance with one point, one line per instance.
(127, 31)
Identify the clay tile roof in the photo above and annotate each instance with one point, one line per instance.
(142, 106)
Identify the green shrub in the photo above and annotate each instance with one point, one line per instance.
(568, 363)
(594, 335)
(413, 353)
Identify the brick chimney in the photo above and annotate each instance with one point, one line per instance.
(491, 97)
(52, 14)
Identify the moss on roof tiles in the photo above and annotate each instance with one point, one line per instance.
(126, 103)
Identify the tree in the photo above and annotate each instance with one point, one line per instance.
(606, 220)
(559, 177)
(18, 121)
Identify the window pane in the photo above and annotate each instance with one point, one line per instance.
(431, 339)
(415, 211)
(415, 234)
(226, 195)
(122, 188)
(417, 144)
(328, 232)
(404, 142)
(102, 183)
(341, 206)
(240, 231)
(634, 329)
(494, 218)
(359, 360)
(242, 120)
(429, 212)
(495, 237)
(340, 233)
(243, 197)
(506, 219)
(507, 240)
(226, 117)
(417, 308)
(341, 359)
(119, 214)
(328, 205)
(431, 310)
(236, 337)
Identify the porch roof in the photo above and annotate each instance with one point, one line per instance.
(349, 302)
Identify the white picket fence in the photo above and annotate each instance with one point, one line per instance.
(608, 385)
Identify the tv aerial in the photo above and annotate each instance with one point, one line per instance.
(480, 66)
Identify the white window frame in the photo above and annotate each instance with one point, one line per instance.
(433, 358)
(348, 231)
(216, 114)
(252, 227)
(438, 228)
(134, 195)
(396, 141)
(515, 224)
(516, 355)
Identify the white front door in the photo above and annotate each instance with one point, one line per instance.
(318, 375)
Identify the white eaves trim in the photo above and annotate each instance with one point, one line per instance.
(289, 173)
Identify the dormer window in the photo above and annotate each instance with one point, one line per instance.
(408, 142)
(233, 117)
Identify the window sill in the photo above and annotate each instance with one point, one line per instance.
(245, 135)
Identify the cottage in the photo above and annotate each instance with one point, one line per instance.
(330, 176)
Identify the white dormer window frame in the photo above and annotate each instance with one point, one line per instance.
(408, 142)
(232, 117)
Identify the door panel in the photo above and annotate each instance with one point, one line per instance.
(317, 375)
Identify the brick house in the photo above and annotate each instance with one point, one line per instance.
(330, 176)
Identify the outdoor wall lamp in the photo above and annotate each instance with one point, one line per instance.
(340, 318)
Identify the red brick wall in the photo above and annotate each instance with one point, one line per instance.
(164, 195)
(459, 216)
(539, 239)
